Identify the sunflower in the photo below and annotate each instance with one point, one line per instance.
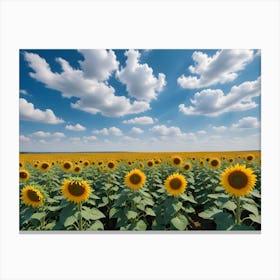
(76, 190)
(150, 163)
(135, 179)
(238, 180)
(201, 163)
(140, 165)
(230, 160)
(77, 169)
(157, 161)
(45, 166)
(86, 163)
(23, 175)
(187, 166)
(32, 196)
(250, 158)
(215, 163)
(111, 165)
(20, 164)
(176, 161)
(66, 166)
(175, 184)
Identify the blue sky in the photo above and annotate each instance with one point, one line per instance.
(139, 100)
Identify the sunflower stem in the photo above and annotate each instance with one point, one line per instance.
(80, 216)
(238, 211)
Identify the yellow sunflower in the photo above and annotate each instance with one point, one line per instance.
(86, 163)
(150, 163)
(201, 163)
(77, 169)
(135, 179)
(250, 158)
(175, 184)
(45, 166)
(111, 165)
(20, 164)
(215, 163)
(176, 161)
(157, 161)
(76, 190)
(66, 166)
(238, 180)
(187, 166)
(23, 175)
(32, 196)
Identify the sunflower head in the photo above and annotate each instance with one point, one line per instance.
(23, 175)
(187, 166)
(150, 163)
(111, 165)
(157, 161)
(214, 163)
(135, 179)
(176, 161)
(175, 184)
(20, 165)
(77, 169)
(76, 190)
(238, 180)
(250, 157)
(66, 166)
(45, 166)
(86, 163)
(201, 163)
(32, 196)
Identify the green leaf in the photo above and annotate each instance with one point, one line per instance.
(140, 225)
(242, 227)
(150, 212)
(96, 214)
(50, 226)
(120, 200)
(54, 208)
(112, 212)
(137, 199)
(254, 218)
(217, 195)
(255, 193)
(229, 205)
(177, 206)
(223, 221)
(209, 213)
(131, 214)
(251, 208)
(97, 225)
(66, 212)
(180, 222)
(70, 221)
(38, 216)
(190, 198)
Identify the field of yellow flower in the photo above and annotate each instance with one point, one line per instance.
(140, 191)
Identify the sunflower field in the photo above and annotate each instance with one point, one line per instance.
(140, 191)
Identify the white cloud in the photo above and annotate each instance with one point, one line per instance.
(90, 138)
(24, 92)
(109, 131)
(24, 138)
(140, 121)
(58, 135)
(202, 132)
(214, 102)
(27, 112)
(41, 134)
(139, 79)
(246, 123)
(76, 127)
(136, 130)
(221, 128)
(165, 132)
(93, 96)
(221, 68)
(98, 64)
(42, 141)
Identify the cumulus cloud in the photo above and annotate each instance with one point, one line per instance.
(27, 112)
(202, 132)
(24, 138)
(211, 102)
(98, 64)
(221, 68)
(90, 138)
(136, 130)
(139, 79)
(58, 135)
(43, 134)
(93, 96)
(114, 131)
(221, 128)
(140, 121)
(24, 92)
(76, 127)
(246, 123)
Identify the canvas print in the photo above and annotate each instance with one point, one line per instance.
(140, 140)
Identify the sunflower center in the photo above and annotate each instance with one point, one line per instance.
(150, 163)
(44, 166)
(23, 175)
(249, 158)
(186, 167)
(175, 183)
(67, 165)
(111, 165)
(237, 179)
(176, 161)
(214, 162)
(135, 179)
(33, 196)
(76, 189)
